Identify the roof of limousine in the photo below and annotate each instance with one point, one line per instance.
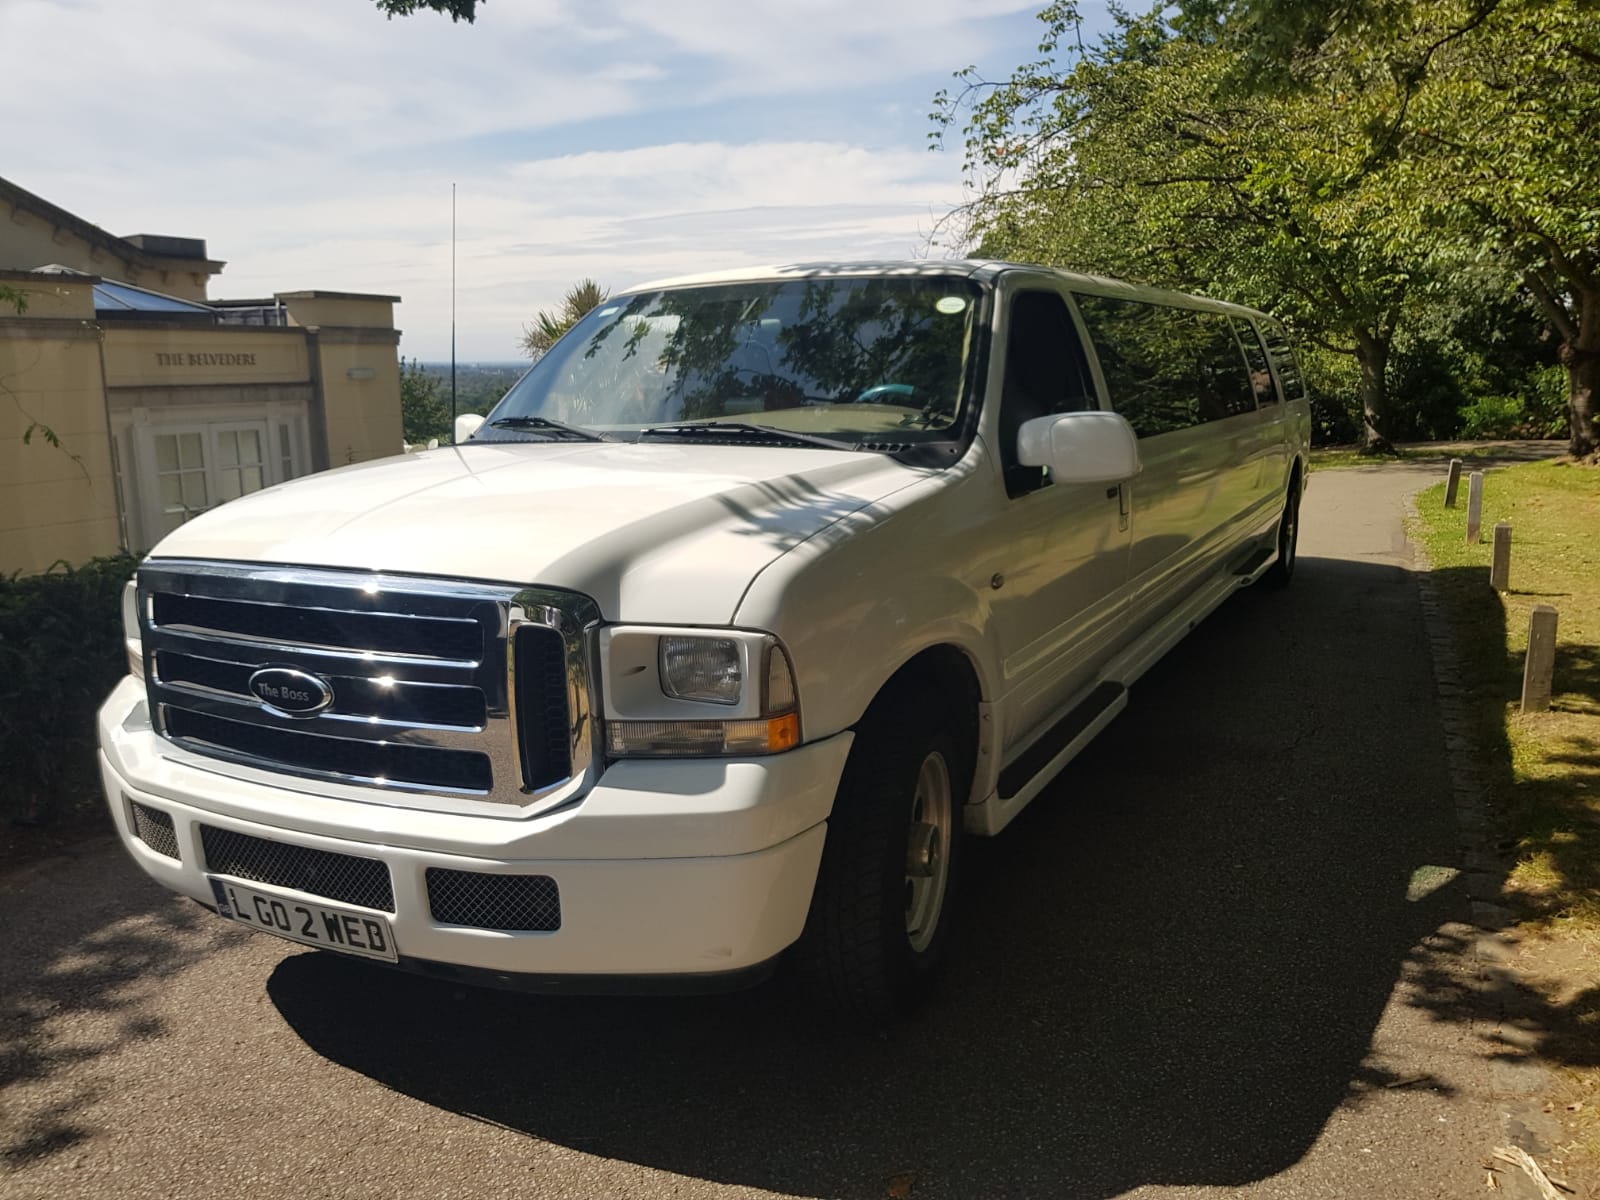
(973, 268)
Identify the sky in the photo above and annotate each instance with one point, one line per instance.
(313, 143)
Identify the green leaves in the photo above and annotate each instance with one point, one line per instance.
(456, 10)
(424, 412)
(549, 324)
(1330, 161)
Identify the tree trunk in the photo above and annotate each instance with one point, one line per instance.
(1372, 355)
(1581, 357)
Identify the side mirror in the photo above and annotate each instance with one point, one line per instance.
(1081, 447)
(467, 425)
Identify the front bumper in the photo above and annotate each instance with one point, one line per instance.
(666, 868)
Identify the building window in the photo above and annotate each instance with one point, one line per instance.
(181, 478)
(241, 466)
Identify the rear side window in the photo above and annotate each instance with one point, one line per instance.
(1167, 368)
(1255, 357)
(1284, 361)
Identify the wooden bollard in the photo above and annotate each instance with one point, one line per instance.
(1540, 664)
(1500, 567)
(1453, 484)
(1474, 506)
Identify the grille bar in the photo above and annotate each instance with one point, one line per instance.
(386, 633)
(513, 903)
(349, 878)
(384, 763)
(396, 702)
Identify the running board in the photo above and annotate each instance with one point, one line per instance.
(1023, 779)
(1252, 566)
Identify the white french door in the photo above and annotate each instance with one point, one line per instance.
(198, 467)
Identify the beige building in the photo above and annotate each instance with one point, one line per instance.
(130, 402)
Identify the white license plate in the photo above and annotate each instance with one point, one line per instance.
(326, 926)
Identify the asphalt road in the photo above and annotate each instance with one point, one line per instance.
(1212, 960)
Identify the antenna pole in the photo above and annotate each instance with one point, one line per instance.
(452, 311)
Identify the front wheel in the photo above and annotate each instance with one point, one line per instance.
(1282, 571)
(881, 909)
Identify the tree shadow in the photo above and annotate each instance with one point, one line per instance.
(90, 946)
(1168, 971)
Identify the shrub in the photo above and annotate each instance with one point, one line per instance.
(1492, 417)
(61, 651)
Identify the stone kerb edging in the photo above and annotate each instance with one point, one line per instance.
(1515, 1077)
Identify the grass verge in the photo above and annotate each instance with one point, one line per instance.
(1542, 770)
(1329, 457)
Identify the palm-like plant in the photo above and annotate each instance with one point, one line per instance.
(550, 324)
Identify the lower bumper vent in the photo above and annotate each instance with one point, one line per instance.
(514, 903)
(346, 877)
(154, 828)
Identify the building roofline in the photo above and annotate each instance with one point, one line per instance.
(321, 295)
(24, 276)
(20, 197)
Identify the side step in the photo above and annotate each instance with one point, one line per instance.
(1255, 562)
(1058, 737)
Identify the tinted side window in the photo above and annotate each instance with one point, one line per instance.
(1167, 368)
(1255, 356)
(1284, 361)
(1046, 372)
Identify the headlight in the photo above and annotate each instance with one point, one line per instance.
(672, 693)
(132, 634)
(701, 668)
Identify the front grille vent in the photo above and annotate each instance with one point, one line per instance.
(541, 681)
(345, 877)
(514, 903)
(154, 828)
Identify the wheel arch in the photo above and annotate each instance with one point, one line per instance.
(948, 671)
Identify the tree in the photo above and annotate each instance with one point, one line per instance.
(423, 412)
(1489, 122)
(550, 324)
(456, 10)
(1145, 160)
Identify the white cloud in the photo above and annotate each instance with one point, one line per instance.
(313, 143)
(528, 230)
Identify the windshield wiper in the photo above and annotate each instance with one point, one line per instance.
(546, 425)
(745, 430)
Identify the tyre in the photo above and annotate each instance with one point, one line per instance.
(1281, 572)
(880, 913)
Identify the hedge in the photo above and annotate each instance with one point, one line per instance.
(61, 652)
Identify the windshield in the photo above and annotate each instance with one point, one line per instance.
(845, 359)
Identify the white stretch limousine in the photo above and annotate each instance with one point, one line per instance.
(743, 604)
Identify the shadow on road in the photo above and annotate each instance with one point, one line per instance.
(80, 978)
(1168, 971)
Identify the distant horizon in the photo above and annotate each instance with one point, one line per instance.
(476, 362)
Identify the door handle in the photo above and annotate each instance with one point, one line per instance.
(1113, 492)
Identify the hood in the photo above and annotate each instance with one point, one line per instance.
(653, 532)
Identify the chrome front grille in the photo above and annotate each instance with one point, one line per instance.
(415, 679)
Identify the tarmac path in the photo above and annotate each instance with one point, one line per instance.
(1223, 955)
